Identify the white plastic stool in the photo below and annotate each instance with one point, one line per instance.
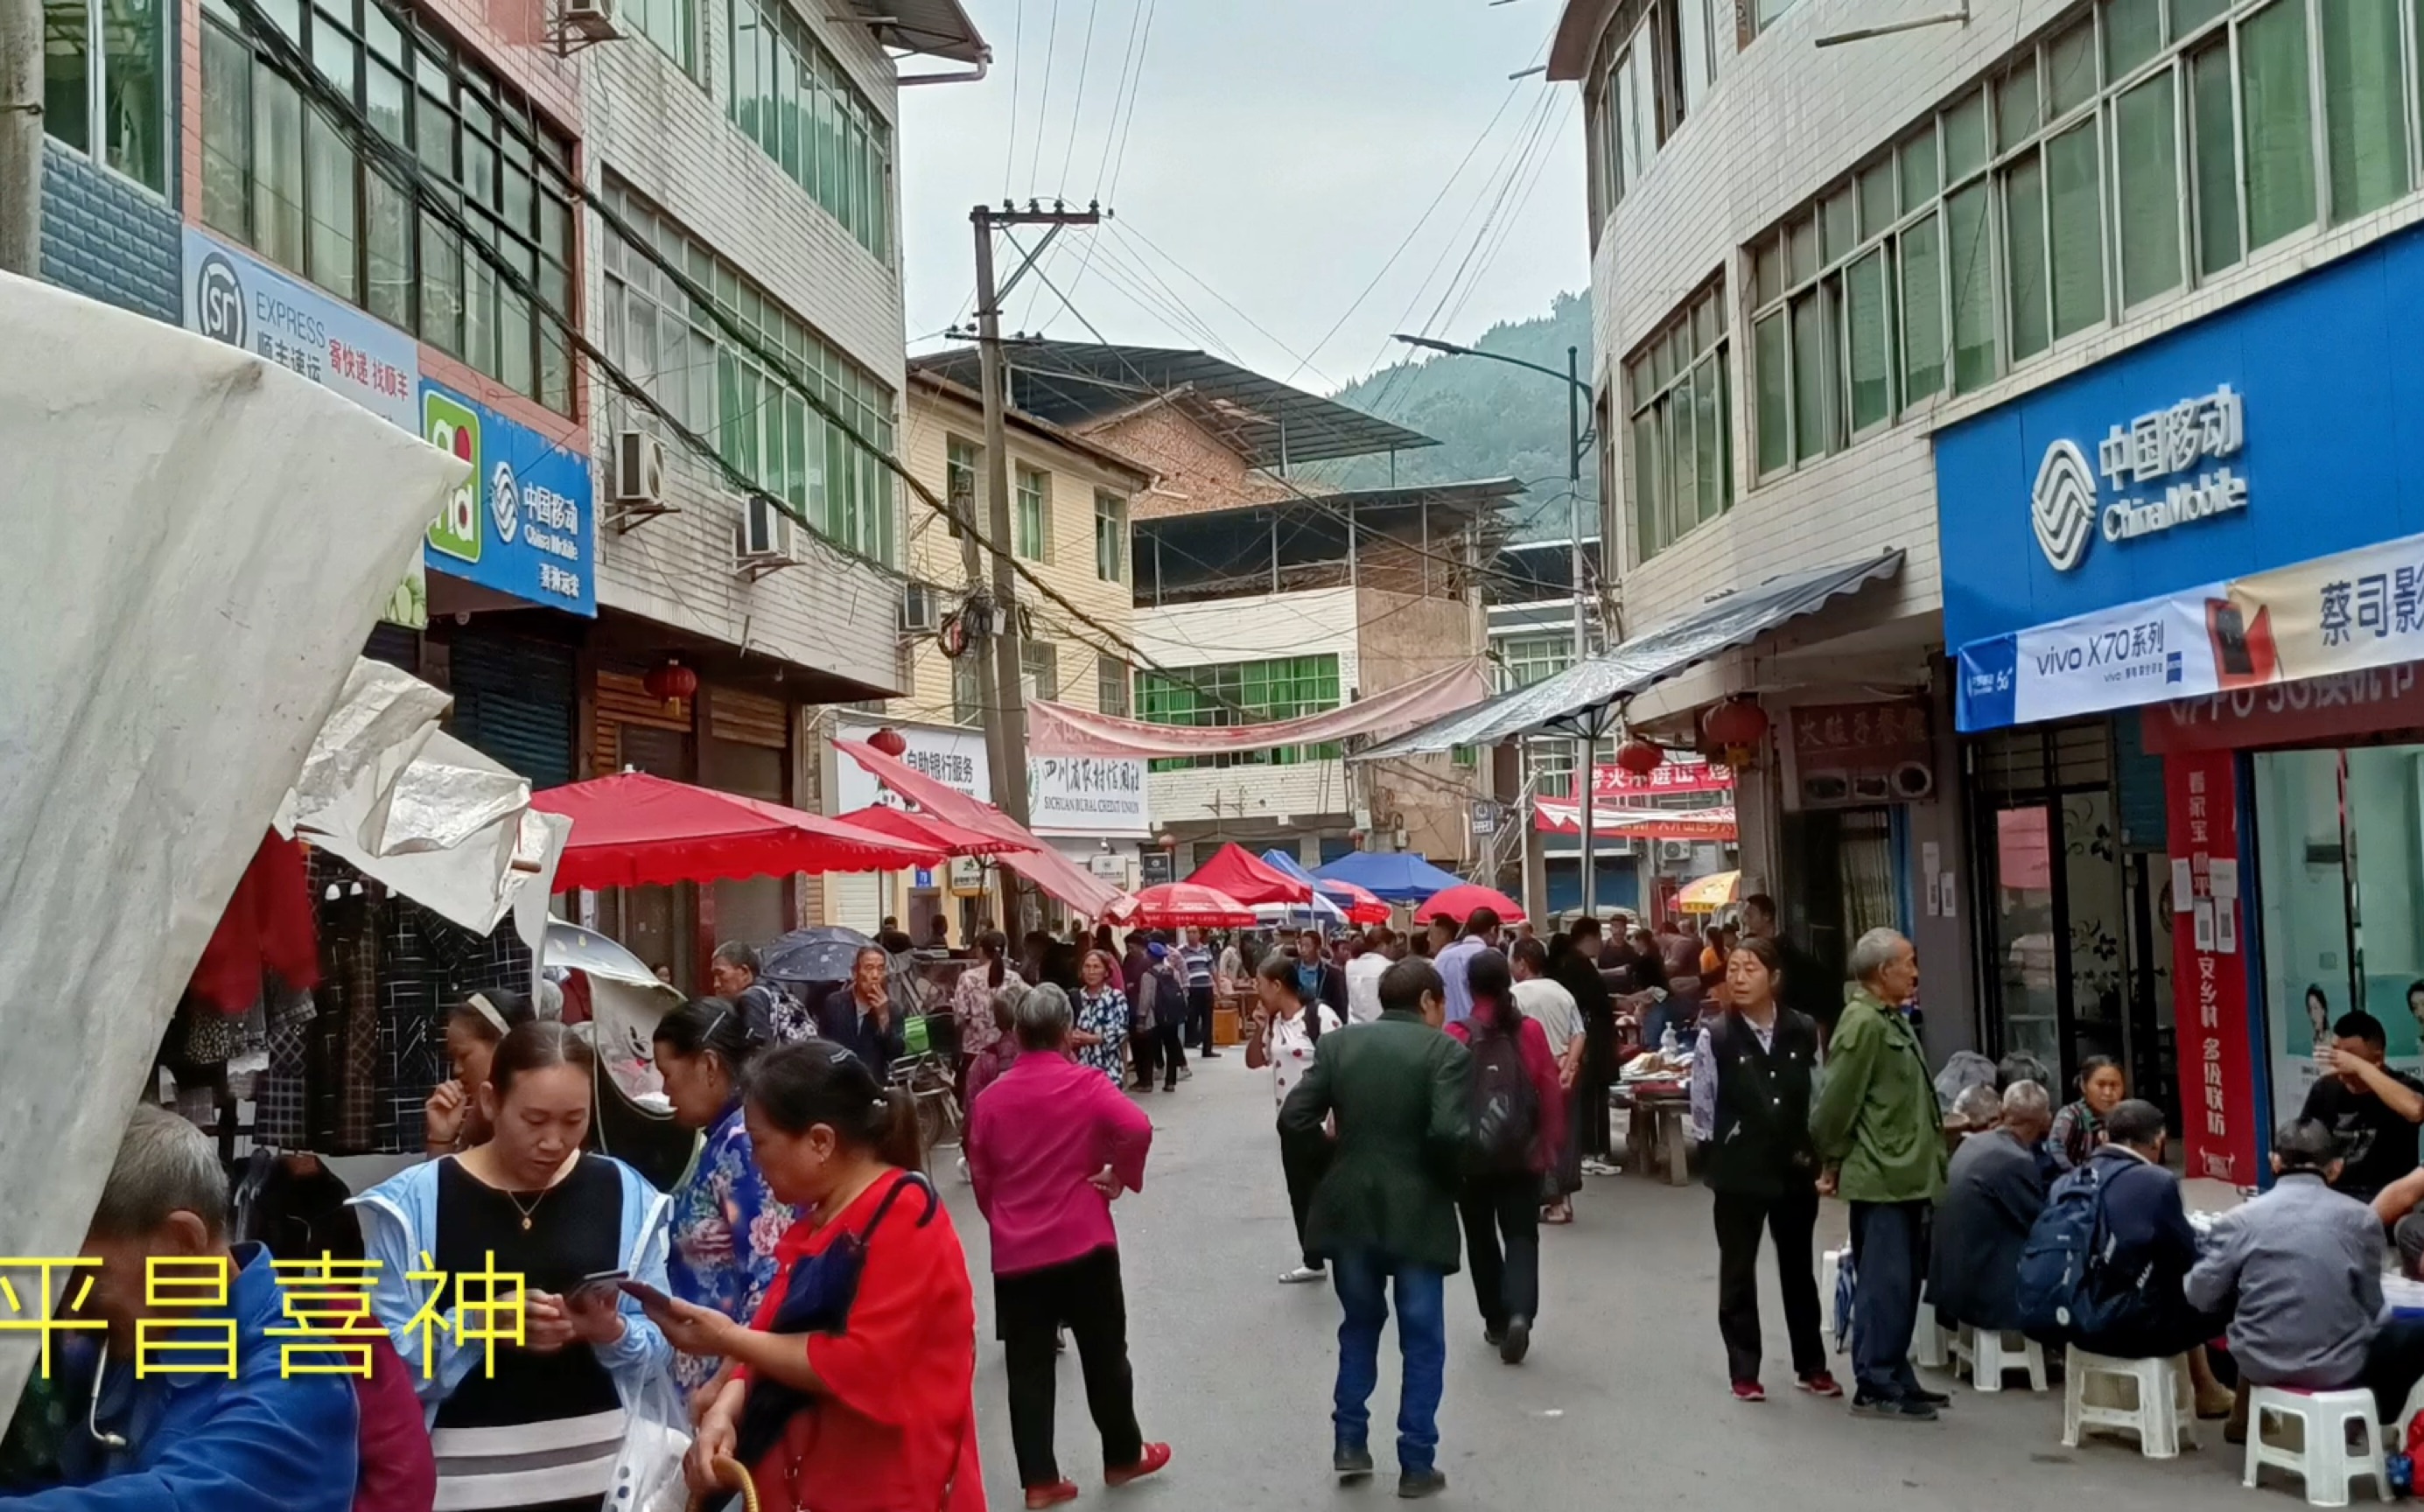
(2320, 1454)
(1830, 1267)
(2150, 1398)
(1986, 1354)
(1929, 1348)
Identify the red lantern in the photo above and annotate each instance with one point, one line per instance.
(889, 741)
(1737, 723)
(671, 683)
(1640, 758)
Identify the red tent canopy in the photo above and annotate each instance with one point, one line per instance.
(632, 830)
(1029, 858)
(1460, 901)
(925, 830)
(1249, 879)
(1178, 905)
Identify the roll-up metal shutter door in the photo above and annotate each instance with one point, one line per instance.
(514, 700)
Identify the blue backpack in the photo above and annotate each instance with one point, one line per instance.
(2066, 1288)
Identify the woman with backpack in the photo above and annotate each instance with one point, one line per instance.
(1752, 1074)
(1518, 1126)
(1288, 1025)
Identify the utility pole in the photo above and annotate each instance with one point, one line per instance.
(1587, 782)
(20, 137)
(1006, 701)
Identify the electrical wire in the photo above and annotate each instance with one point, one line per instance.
(1044, 103)
(1078, 108)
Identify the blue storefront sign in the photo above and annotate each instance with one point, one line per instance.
(523, 524)
(2090, 530)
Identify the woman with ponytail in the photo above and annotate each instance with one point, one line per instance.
(726, 1224)
(973, 997)
(853, 1384)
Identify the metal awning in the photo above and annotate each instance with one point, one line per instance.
(937, 28)
(1577, 701)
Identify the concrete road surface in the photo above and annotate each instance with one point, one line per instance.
(1622, 1404)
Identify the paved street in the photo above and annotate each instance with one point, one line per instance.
(1623, 1400)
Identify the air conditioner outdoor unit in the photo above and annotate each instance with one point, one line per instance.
(1675, 850)
(921, 610)
(590, 18)
(639, 470)
(765, 542)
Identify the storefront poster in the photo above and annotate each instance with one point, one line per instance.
(2209, 972)
(523, 524)
(954, 757)
(1682, 771)
(2318, 708)
(2116, 658)
(1840, 756)
(1087, 795)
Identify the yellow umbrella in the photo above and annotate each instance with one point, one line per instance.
(1706, 894)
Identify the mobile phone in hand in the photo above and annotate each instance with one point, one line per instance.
(595, 1282)
(649, 1296)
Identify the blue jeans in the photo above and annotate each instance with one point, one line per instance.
(1362, 1278)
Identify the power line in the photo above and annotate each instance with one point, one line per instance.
(1044, 103)
(1077, 108)
(1010, 135)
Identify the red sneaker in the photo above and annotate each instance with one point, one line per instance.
(1749, 1391)
(1040, 1497)
(1154, 1456)
(1821, 1384)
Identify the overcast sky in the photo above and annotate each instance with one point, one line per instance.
(1278, 151)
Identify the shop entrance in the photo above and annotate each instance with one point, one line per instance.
(2075, 891)
(2339, 837)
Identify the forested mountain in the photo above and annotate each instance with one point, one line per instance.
(1491, 419)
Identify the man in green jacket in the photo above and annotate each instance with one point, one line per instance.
(1386, 1212)
(1881, 1145)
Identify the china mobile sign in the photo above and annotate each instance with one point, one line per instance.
(2160, 447)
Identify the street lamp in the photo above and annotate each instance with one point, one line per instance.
(1577, 394)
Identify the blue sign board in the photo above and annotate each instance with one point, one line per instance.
(523, 524)
(2285, 428)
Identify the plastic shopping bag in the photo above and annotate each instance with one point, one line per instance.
(656, 1435)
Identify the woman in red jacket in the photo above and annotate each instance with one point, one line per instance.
(853, 1388)
(1504, 1187)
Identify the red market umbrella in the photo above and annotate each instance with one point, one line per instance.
(925, 830)
(1239, 875)
(1030, 857)
(1458, 902)
(1178, 905)
(632, 830)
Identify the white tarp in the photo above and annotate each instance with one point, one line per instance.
(199, 542)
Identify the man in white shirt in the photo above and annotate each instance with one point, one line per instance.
(1548, 1004)
(1370, 962)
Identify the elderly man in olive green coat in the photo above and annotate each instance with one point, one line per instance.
(1881, 1145)
(1386, 1212)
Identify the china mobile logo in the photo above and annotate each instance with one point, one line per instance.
(2062, 506)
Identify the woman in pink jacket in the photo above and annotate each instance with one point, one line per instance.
(1504, 1189)
(1049, 1145)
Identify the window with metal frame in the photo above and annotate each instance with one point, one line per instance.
(1032, 503)
(1111, 536)
(788, 94)
(105, 84)
(284, 178)
(1243, 692)
(1678, 386)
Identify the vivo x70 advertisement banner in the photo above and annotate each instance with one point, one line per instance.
(2337, 614)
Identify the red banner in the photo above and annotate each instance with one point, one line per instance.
(2335, 707)
(1682, 771)
(2210, 969)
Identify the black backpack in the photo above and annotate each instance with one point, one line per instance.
(1505, 1104)
(2066, 1286)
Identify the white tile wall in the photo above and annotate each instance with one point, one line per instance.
(668, 137)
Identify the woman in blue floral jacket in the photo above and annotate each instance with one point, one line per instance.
(725, 1223)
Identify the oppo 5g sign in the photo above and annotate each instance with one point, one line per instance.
(2172, 443)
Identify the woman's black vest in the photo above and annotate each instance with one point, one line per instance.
(1758, 1136)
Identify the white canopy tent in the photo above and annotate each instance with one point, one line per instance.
(200, 542)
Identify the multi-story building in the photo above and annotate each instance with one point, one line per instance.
(2096, 312)
(1069, 498)
(604, 253)
(1259, 596)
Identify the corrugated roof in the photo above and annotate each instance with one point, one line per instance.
(1265, 420)
(1571, 702)
(937, 28)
